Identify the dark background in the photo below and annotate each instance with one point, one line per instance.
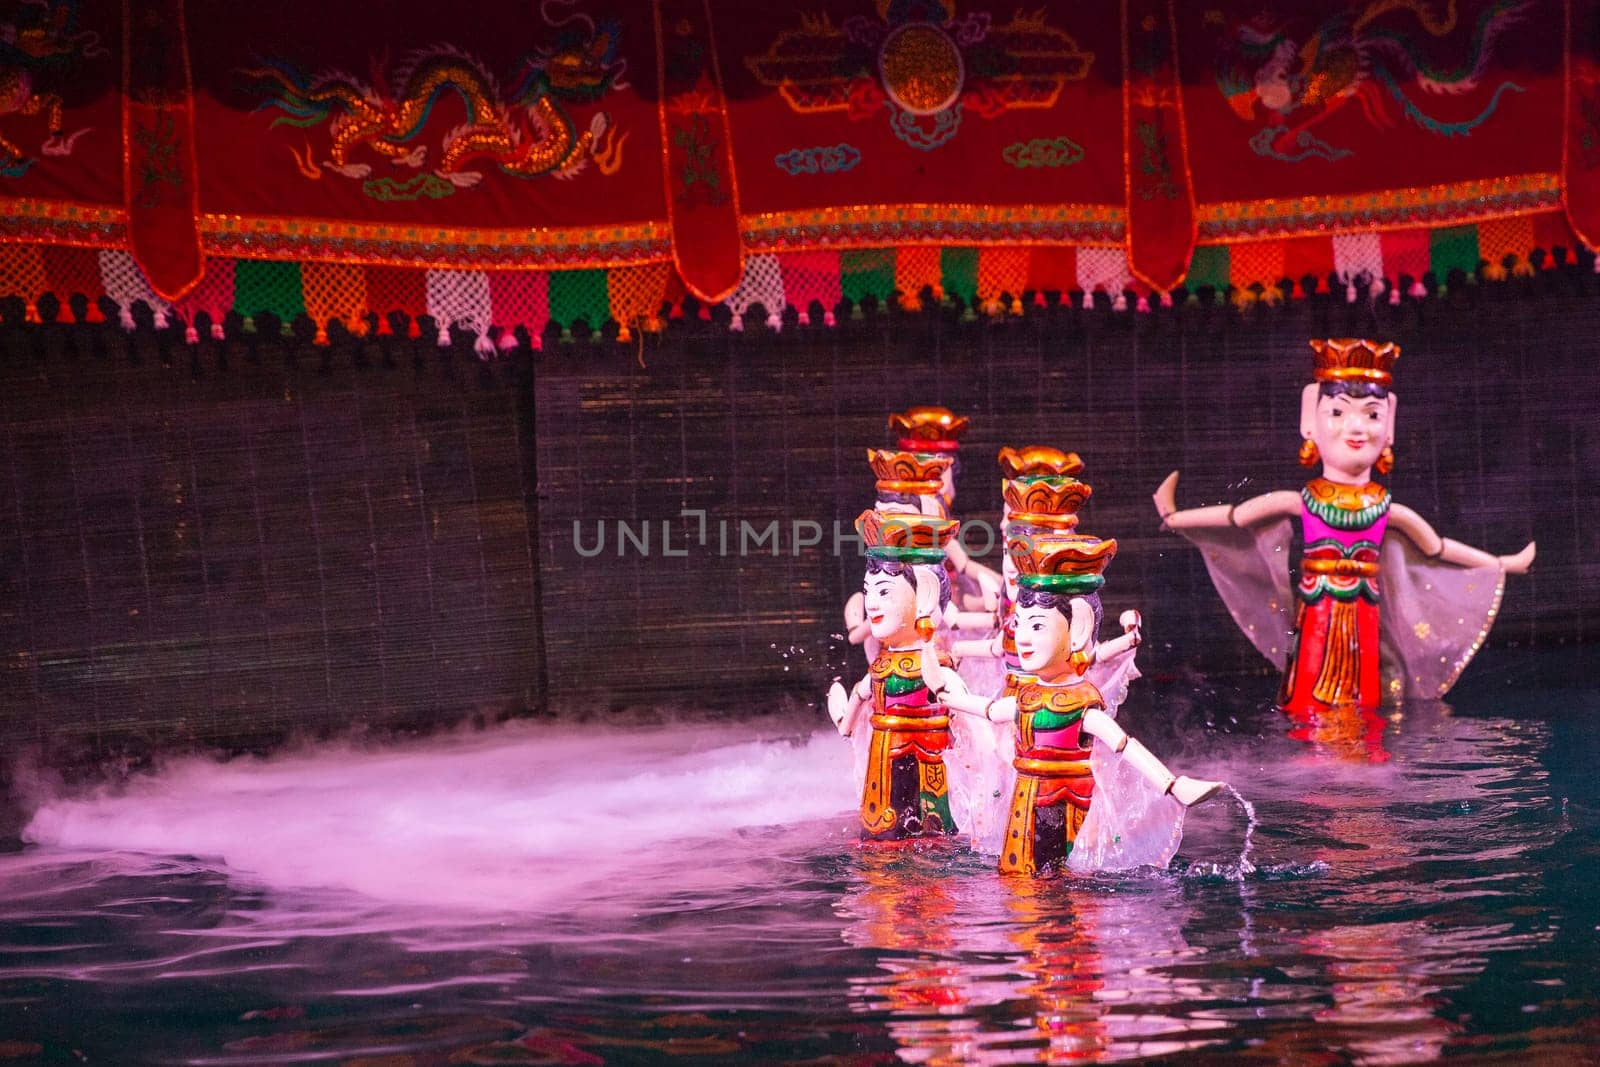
(229, 544)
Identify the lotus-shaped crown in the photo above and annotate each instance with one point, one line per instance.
(907, 472)
(926, 428)
(1343, 359)
(1066, 563)
(1038, 461)
(905, 536)
(1049, 503)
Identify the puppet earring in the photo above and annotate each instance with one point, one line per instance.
(1385, 462)
(1308, 453)
(925, 627)
(1080, 661)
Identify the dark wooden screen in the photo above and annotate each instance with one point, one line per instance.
(230, 544)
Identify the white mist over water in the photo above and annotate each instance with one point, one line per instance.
(519, 816)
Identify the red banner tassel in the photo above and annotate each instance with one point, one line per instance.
(1158, 185)
(702, 189)
(160, 176)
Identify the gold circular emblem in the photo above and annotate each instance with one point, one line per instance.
(922, 70)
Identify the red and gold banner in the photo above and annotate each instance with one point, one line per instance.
(1580, 148)
(856, 149)
(702, 191)
(160, 179)
(1155, 154)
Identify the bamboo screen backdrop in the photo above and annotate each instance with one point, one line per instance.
(231, 544)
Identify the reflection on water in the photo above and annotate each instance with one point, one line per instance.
(696, 894)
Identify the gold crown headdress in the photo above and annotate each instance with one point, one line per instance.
(1345, 359)
(1061, 563)
(1048, 503)
(906, 538)
(907, 472)
(1038, 461)
(926, 428)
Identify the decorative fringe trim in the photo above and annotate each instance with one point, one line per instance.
(468, 302)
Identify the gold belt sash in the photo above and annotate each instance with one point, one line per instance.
(1052, 768)
(911, 723)
(1342, 567)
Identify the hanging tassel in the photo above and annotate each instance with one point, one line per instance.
(856, 313)
(1350, 292)
(775, 321)
(158, 316)
(1166, 299)
(910, 302)
(1016, 305)
(736, 324)
(413, 329)
(804, 316)
(484, 346)
(216, 331)
(125, 316)
(1143, 305)
(1038, 299)
(443, 340)
(1121, 302)
(1418, 290)
(624, 335)
(507, 340)
(321, 337)
(1394, 296)
(828, 319)
(191, 335)
(1088, 300)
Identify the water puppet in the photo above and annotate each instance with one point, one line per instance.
(1338, 640)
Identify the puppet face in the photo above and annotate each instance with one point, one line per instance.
(1044, 640)
(891, 605)
(1350, 432)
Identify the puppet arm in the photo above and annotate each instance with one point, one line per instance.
(1280, 504)
(1405, 521)
(1187, 791)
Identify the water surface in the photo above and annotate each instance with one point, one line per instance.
(1419, 886)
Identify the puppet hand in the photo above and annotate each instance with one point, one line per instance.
(1132, 624)
(838, 705)
(1519, 563)
(1166, 496)
(1191, 791)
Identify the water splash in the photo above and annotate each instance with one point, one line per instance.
(1244, 867)
(518, 816)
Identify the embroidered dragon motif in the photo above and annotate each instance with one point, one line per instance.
(525, 129)
(1357, 55)
(39, 47)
